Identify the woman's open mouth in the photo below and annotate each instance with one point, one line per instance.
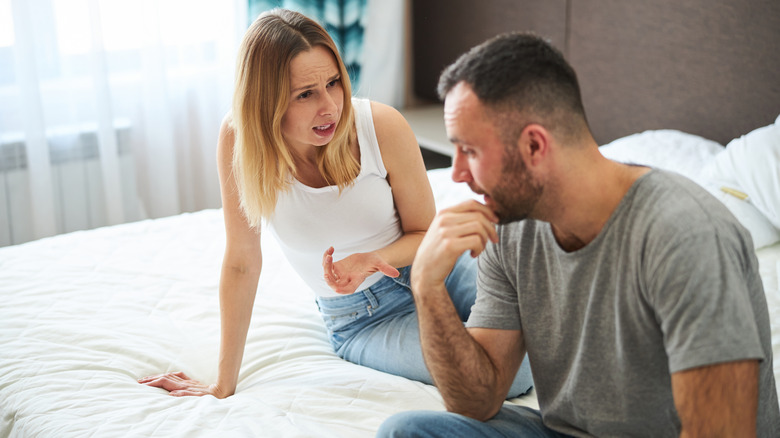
(325, 130)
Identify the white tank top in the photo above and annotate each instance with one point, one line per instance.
(363, 218)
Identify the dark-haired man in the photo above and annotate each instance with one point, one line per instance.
(635, 294)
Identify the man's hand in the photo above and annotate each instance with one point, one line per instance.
(347, 274)
(179, 385)
(467, 226)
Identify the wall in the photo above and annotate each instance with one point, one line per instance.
(707, 67)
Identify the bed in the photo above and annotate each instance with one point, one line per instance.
(85, 314)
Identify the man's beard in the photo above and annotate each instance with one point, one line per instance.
(517, 193)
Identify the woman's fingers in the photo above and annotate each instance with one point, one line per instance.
(178, 384)
(347, 274)
(328, 253)
(177, 374)
(388, 270)
(329, 272)
(170, 381)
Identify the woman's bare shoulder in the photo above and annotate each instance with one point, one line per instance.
(393, 132)
(387, 119)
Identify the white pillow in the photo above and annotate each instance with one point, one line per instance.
(761, 229)
(751, 164)
(668, 149)
(694, 157)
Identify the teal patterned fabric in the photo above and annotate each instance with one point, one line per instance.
(343, 19)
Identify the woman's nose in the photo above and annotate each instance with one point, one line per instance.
(328, 105)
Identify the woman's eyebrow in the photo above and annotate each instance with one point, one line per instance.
(309, 86)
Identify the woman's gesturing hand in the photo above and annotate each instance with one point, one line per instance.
(178, 385)
(347, 274)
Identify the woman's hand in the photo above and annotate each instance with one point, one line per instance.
(178, 385)
(347, 274)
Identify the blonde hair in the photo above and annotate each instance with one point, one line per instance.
(262, 163)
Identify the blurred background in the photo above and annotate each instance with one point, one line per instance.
(110, 109)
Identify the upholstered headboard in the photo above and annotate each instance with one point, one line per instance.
(706, 67)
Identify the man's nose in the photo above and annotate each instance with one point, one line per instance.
(460, 168)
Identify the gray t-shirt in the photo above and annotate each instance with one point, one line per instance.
(670, 283)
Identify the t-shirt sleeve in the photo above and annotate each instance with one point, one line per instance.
(702, 302)
(496, 305)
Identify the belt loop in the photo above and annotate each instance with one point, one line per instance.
(373, 303)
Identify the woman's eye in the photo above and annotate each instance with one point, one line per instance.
(304, 95)
(333, 82)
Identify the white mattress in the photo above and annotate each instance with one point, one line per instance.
(84, 315)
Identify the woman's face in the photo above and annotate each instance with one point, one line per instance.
(316, 99)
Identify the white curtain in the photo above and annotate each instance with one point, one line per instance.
(110, 110)
(385, 59)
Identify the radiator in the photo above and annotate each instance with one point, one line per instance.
(77, 182)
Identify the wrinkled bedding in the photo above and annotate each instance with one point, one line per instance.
(85, 314)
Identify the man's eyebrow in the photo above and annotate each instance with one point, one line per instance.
(309, 86)
(457, 141)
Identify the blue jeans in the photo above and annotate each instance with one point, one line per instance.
(511, 421)
(377, 327)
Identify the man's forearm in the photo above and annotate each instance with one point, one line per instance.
(460, 367)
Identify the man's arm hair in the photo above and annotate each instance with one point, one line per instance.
(473, 368)
(717, 400)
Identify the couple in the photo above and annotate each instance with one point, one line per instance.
(591, 267)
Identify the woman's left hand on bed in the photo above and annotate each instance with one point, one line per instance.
(347, 274)
(179, 384)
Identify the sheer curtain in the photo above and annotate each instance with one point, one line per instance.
(110, 110)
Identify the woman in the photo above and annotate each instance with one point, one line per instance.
(342, 185)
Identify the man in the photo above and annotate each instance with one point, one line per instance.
(635, 294)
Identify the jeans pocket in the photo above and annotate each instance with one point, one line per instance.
(341, 327)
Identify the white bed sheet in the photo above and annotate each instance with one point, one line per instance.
(83, 315)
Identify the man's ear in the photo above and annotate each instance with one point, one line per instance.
(534, 143)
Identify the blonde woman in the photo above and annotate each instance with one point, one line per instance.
(341, 184)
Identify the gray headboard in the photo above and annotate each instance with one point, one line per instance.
(707, 67)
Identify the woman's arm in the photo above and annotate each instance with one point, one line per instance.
(413, 200)
(241, 267)
(412, 192)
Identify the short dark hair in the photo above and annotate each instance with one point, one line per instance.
(523, 75)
